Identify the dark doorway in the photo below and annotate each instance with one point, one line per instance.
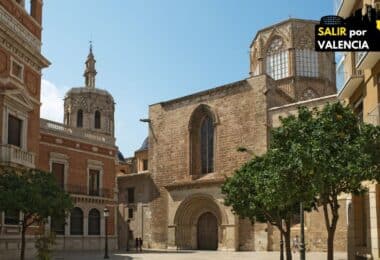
(207, 232)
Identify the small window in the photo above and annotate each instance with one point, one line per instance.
(58, 169)
(145, 165)
(97, 119)
(14, 130)
(11, 217)
(131, 195)
(130, 213)
(94, 183)
(80, 118)
(17, 70)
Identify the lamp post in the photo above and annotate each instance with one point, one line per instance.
(106, 215)
(281, 247)
(302, 242)
(128, 234)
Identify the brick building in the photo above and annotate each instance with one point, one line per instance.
(81, 153)
(193, 143)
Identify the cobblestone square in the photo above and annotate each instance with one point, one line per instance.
(188, 255)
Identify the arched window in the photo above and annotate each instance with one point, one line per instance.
(97, 119)
(202, 129)
(76, 222)
(277, 61)
(67, 121)
(94, 222)
(207, 145)
(80, 118)
(307, 63)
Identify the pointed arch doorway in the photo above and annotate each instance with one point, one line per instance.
(207, 232)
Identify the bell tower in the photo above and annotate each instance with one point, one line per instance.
(89, 107)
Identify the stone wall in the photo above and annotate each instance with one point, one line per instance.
(240, 109)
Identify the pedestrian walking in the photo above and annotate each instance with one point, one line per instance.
(296, 244)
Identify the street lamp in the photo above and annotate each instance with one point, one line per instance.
(106, 215)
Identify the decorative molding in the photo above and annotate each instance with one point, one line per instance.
(29, 58)
(16, 27)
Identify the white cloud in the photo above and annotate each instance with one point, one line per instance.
(52, 101)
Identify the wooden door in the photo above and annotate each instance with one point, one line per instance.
(207, 234)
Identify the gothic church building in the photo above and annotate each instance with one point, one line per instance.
(193, 143)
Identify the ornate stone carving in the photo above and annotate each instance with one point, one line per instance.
(16, 27)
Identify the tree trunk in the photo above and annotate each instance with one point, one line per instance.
(331, 227)
(288, 248)
(330, 244)
(23, 231)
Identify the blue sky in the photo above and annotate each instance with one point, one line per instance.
(150, 51)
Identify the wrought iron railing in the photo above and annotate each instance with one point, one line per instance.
(84, 190)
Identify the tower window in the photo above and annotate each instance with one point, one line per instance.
(307, 63)
(277, 60)
(80, 118)
(97, 119)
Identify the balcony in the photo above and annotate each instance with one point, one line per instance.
(367, 60)
(66, 131)
(346, 82)
(343, 8)
(83, 190)
(13, 155)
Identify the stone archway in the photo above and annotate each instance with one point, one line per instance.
(192, 216)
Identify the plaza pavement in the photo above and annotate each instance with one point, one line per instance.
(188, 255)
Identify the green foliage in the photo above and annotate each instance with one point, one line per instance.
(33, 192)
(36, 194)
(44, 246)
(313, 158)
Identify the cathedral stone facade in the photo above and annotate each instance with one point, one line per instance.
(193, 143)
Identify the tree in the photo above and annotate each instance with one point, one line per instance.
(337, 153)
(256, 191)
(343, 157)
(313, 157)
(34, 193)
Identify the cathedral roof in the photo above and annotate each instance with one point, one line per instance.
(144, 146)
(120, 156)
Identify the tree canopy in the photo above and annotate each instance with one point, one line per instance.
(34, 193)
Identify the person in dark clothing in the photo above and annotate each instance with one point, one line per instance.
(137, 244)
(140, 244)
